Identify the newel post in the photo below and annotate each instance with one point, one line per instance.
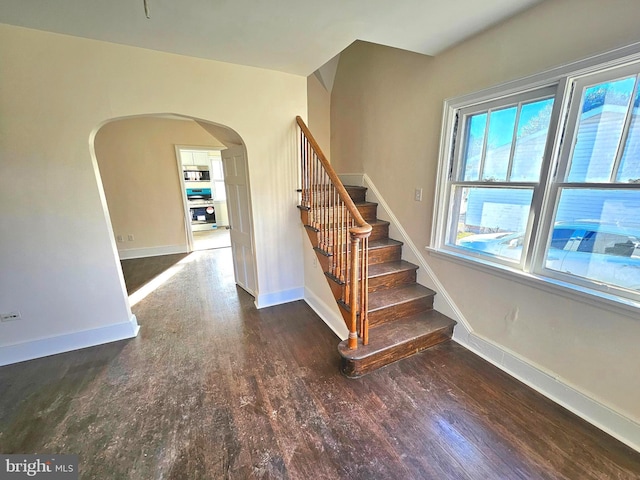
(353, 301)
(358, 295)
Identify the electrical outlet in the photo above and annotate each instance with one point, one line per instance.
(120, 239)
(130, 237)
(9, 317)
(418, 195)
(315, 261)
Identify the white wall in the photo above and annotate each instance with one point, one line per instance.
(386, 117)
(317, 292)
(58, 260)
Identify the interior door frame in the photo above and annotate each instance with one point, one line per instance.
(183, 188)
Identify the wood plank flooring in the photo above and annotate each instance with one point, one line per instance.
(214, 389)
(138, 271)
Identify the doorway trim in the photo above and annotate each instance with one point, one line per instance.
(185, 205)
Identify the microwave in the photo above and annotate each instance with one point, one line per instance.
(196, 173)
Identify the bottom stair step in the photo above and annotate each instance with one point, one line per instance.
(394, 341)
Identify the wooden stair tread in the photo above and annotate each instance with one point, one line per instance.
(386, 268)
(383, 242)
(402, 331)
(395, 296)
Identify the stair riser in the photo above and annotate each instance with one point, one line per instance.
(392, 312)
(327, 215)
(357, 194)
(382, 282)
(378, 255)
(379, 231)
(391, 253)
(368, 211)
(357, 368)
(392, 280)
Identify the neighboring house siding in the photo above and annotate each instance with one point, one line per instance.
(491, 211)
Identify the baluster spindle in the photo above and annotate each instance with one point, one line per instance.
(305, 170)
(336, 202)
(338, 247)
(314, 187)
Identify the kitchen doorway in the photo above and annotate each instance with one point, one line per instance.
(204, 196)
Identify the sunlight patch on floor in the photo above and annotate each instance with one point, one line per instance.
(218, 238)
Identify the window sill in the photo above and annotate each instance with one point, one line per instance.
(610, 303)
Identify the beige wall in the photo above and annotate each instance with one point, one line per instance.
(378, 117)
(386, 116)
(59, 264)
(319, 108)
(139, 171)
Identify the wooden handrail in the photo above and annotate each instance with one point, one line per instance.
(334, 218)
(364, 227)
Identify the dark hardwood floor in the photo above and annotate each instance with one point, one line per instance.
(138, 271)
(214, 389)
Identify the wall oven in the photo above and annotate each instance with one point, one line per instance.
(201, 209)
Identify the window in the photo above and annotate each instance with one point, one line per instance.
(546, 181)
(497, 167)
(217, 178)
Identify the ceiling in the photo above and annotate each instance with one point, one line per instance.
(294, 36)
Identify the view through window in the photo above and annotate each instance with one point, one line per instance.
(548, 182)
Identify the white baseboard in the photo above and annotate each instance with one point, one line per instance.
(130, 253)
(71, 341)
(327, 314)
(278, 298)
(556, 389)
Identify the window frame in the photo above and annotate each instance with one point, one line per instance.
(568, 81)
(456, 164)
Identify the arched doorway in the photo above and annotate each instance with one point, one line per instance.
(143, 187)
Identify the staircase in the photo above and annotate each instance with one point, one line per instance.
(378, 296)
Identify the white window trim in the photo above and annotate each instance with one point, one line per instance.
(563, 77)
